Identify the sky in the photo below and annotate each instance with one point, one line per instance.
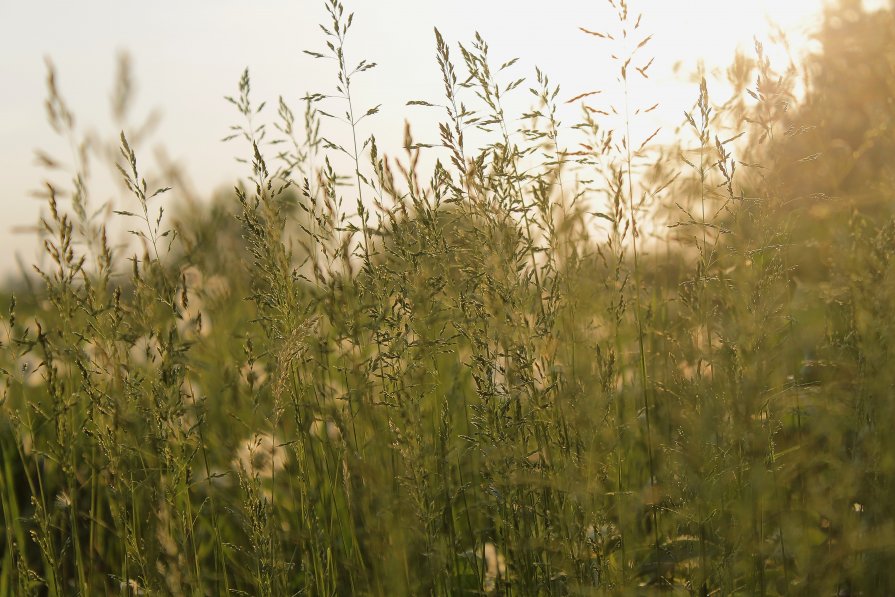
(187, 55)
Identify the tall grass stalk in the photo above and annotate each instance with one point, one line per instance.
(480, 366)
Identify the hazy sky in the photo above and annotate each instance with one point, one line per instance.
(188, 54)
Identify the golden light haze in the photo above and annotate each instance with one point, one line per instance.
(187, 56)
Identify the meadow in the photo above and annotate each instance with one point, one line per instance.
(564, 360)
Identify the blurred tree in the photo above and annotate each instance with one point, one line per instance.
(843, 133)
(834, 159)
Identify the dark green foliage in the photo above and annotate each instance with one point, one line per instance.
(501, 375)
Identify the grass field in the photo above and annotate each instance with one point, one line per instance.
(565, 361)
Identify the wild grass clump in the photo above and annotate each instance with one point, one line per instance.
(563, 361)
